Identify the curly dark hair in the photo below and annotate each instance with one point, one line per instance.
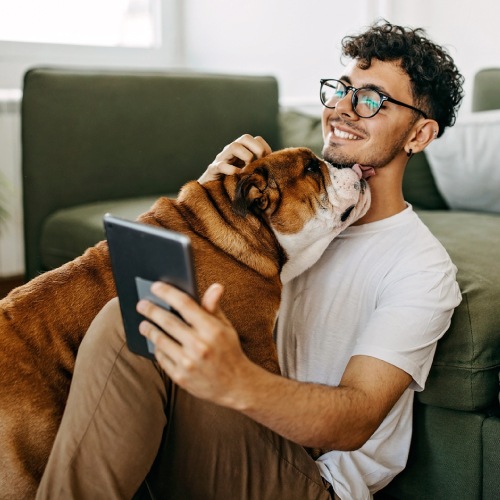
(437, 85)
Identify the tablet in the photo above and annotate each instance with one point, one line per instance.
(140, 255)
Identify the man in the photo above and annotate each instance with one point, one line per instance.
(356, 333)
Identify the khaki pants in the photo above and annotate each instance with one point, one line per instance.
(122, 410)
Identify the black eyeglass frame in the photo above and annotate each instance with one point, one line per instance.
(348, 88)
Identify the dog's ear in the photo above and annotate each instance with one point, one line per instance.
(252, 193)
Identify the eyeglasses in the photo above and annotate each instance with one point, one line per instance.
(366, 102)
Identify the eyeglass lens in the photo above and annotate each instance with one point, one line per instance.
(366, 102)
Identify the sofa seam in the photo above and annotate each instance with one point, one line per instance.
(467, 366)
(473, 350)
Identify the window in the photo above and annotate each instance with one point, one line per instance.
(135, 34)
(105, 23)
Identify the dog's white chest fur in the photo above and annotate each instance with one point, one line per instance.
(304, 248)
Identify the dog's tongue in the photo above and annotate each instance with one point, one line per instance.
(364, 171)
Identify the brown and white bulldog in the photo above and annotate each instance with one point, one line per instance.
(251, 232)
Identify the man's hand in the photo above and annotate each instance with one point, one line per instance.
(201, 354)
(236, 155)
(204, 356)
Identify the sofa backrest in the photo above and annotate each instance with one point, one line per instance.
(486, 94)
(419, 186)
(92, 135)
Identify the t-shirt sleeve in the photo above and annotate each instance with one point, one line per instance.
(411, 315)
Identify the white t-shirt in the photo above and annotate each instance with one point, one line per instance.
(387, 290)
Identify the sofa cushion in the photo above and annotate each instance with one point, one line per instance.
(464, 375)
(301, 130)
(67, 233)
(491, 458)
(465, 162)
(445, 457)
(419, 185)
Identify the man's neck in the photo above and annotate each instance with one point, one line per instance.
(387, 196)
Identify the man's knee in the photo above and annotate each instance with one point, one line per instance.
(106, 329)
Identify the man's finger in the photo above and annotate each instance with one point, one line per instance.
(162, 342)
(215, 169)
(168, 321)
(192, 312)
(257, 146)
(266, 149)
(211, 298)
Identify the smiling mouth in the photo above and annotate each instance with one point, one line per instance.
(345, 135)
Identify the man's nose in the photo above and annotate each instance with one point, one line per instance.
(344, 106)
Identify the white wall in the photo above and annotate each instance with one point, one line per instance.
(299, 40)
(470, 30)
(296, 40)
(286, 38)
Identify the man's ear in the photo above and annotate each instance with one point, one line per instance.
(252, 193)
(422, 135)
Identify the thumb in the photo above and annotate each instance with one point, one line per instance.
(211, 298)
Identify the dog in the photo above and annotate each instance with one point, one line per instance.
(252, 232)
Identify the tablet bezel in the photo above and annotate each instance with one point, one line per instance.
(150, 253)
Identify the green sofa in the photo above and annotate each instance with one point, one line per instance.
(97, 141)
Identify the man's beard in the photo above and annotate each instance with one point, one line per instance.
(378, 159)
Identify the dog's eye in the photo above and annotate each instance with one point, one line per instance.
(313, 165)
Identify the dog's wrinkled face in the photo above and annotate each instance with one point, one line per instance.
(306, 201)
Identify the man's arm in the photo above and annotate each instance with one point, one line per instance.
(204, 357)
(314, 415)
